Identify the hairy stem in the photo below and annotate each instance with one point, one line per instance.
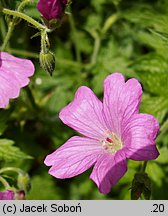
(23, 4)
(25, 17)
(17, 14)
(3, 27)
(8, 36)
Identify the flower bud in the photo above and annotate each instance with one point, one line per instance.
(141, 184)
(52, 9)
(23, 181)
(47, 62)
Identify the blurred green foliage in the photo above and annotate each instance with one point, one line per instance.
(98, 38)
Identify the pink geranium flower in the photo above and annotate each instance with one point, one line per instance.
(52, 9)
(114, 131)
(7, 195)
(14, 73)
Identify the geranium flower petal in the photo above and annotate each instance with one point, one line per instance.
(74, 157)
(121, 100)
(14, 73)
(115, 131)
(108, 170)
(139, 135)
(7, 195)
(51, 9)
(84, 114)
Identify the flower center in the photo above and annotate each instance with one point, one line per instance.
(112, 143)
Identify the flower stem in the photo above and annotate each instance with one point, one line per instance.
(45, 45)
(17, 14)
(31, 98)
(10, 169)
(4, 182)
(60, 61)
(143, 168)
(22, 53)
(23, 4)
(3, 27)
(12, 24)
(8, 35)
(96, 49)
(98, 36)
(25, 17)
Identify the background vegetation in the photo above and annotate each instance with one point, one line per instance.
(98, 38)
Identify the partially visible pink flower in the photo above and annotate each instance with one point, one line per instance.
(7, 195)
(113, 131)
(20, 195)
(14, 73)
(52, 9)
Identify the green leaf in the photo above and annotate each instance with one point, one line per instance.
(111, 58)
(163, 157)
(43, 188)
(155, 172)
(150, 63)
(93, 22)
(32, 11)
(152, 71)
(98, 4)
(156, 106)
(9, 153)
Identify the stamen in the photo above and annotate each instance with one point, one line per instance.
(112, 143)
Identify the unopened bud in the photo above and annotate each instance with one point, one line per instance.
(52, 9)
(47, 62)
(24, 181)
(141, 184)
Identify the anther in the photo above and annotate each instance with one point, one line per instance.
(109, 140)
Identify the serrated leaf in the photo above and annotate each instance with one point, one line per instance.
(9, 153)
(156, 83)
(156, 106)
(152, 62)
(152, 72)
